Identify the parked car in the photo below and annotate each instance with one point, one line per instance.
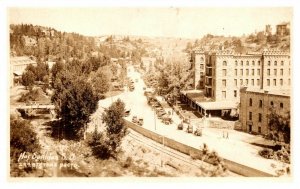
(131, 88)
(140, 122)
(198, 132)
(134, 119)
(127, 113)
(180, 126)
(167, 120)
(161, 114)
(189, 128)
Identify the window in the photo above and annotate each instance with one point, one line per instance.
(257, 82)
(260, 103)
(281, 71)
(289, 81)
(289, 71)
(259, 129)
(258, 63)
(252, 82)
(235, 72)
(242, 63)
(269, 63)
(259, 117)
(224, 94)
(236, 63)
(224, 82)
(250, 115)
(201, 73)
(250, 102)
(274, 82)
(235, 93)
(258, 72)
(271, 103)
(281, 105)
(252, 72)
(201, 66)
(241, 82)
(268, 82)
(247, 72)
(282, 63)
(268, 71)
(281, 82)
(275, 63)
(247, 63)
(224, 63)
(275, 71)
(241, 72)
(224, 71)
(235, 82)
(253, 63)
(247, 81)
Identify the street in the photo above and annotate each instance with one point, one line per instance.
(236, 148)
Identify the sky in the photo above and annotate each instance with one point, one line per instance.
(166, 22)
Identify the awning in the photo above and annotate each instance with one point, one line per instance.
(219, 105)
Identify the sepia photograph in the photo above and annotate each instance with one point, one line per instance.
(156, 92)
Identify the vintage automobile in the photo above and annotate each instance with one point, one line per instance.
(134, 119)
(180, 126)
(167, 120)
(127, 113)
(198, 132)
(189, 128)
(140, 122)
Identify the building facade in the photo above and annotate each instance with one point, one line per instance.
(226, 73)
(198, 61)
(18, 66)
(255, 106)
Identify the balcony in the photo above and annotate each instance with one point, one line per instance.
(208, 74)
(209, 65)
(208, 83)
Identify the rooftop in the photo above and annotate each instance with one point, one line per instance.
(285, 92)
(218, 105)
(18, 60)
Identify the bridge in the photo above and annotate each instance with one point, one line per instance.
(33, 109)
(37, 106)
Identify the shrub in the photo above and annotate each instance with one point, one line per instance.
(266, 153)
(22, 139)
(32, 95)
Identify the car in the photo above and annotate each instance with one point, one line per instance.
(140, 122)
(134, 119)
(127, 113)
(189, 128)
(167, 120)
(161, 114)
(180, 126)
(198, 132)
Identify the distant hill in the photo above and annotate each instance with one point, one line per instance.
(255, 42)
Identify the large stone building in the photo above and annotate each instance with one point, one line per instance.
(255, 106)
(18, 65)
(221, 74)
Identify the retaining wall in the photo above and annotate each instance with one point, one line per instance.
(183, 148)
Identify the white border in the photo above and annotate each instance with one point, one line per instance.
(174, 183)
